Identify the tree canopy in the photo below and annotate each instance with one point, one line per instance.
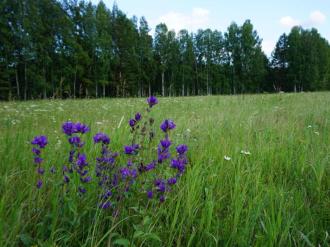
(72, 48)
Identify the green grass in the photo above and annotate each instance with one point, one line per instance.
(277, 196)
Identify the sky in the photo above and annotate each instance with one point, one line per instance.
(270, 18)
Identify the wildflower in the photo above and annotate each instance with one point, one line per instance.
(182, 149)
(105, 205)
(40, 141)
(149, 194)
(81, 128)
(68, 128)
(101, 137)
(150, 166)
(167, 125)
(75, 140)
(82, 190)
(86, 179)
(39, 184)
(131, 149)
(36, 151)
(66, 179)
(166, 143)
(125, 172)
(171, 181)
(132, 122)
(162, 198)
(245, 152)
(81, 160)
(138, 116)
(41, 170)
(227, 158)
(38, 160)
(152, 100)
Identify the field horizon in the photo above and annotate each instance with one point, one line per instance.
(258, 173)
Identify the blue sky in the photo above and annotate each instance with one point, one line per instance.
(270, 18)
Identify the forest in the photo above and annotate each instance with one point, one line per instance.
(74, 49)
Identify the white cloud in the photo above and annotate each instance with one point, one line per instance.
(317, 17)
(289, 21)
(198, 18)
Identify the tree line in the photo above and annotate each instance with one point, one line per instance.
(71, 48)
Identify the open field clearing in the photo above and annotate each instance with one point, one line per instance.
(258, 173)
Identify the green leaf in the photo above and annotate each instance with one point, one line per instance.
(138, 234)
(121, 242)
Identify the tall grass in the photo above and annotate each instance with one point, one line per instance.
(279, 195)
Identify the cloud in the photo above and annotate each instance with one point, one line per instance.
(289, 21)
(316, 18)
(198, 18)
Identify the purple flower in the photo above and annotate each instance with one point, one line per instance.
(175, 163)
(161, 187)
(68, 128)
(41, 141)
(131, 149)
(86, 179)
(171, 181)
(39, 183)
(101, 137)
(81, 128)
(133, 173)
(182, 149)
(105, 205)
(41, 170)
(150, 166)
(166, 143)
(125, 172)
(81, 160)
(138, 116)
(167, 125)
(82, 190)
(162, 198)
(152, 100)
(149, 194)
(38, 160)
(132, 122)
(36, 151)
(66, 179)
(74, 140)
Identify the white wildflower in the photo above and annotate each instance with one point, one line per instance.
(227, 157)
(245, 152)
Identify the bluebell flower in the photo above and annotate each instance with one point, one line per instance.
(40, 141)
(39, 183)
(69, 128)
(167, 125)
(81, 128)
(132, 122)
(171, 181)
(101, 137)
(138, 116)
(152, 100)
(82, 190)
(149, 194)
(182, 149)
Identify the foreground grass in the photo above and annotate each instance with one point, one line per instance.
(279, 195)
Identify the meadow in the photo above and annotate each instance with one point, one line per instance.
(258, 173)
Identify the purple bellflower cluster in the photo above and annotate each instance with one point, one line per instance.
(120, 177)
(105, 164)
(39, 143)
(77, 160)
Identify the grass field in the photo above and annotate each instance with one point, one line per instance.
(278, 195)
